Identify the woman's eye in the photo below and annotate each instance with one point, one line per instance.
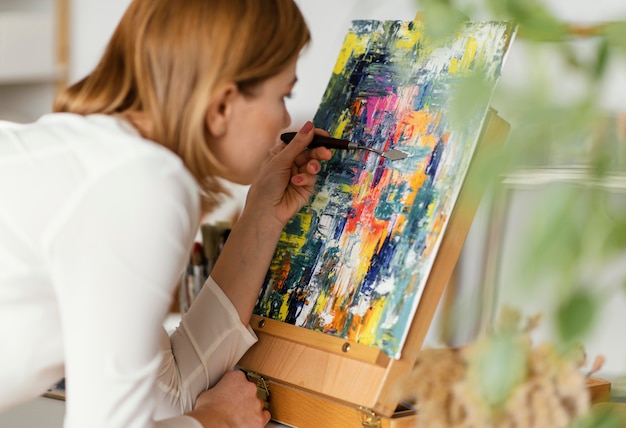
(288, 96)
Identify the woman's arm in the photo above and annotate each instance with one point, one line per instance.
(213, 334)
(113, 259)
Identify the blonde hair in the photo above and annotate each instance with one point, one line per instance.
(167, 58)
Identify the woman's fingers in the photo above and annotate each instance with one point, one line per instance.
(312, 156)
(313, 166)
(307, 174)
(303, 180)
(296, 147)
(302, 139)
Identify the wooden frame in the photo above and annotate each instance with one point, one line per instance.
(62, 11)
(312, 375)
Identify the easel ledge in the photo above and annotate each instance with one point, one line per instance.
(320, 341)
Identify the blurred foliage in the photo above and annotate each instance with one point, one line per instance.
(580, 232)
(575, 315)
(577, 229)
(600, 417)
(500, 364)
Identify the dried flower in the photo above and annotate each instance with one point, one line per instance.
(499, 381)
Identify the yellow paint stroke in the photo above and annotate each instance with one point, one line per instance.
(298, 240)
(438, 224)
(284, 307)
(321, 302)
(340, 316)
(367, 247)
(461, 65)
(366, 332)
(408, 39)
(353, 45)
(342, 122)
(417, 123)
(416, 182)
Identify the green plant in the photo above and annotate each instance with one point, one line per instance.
(580, 232)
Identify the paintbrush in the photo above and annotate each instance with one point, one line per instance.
(336, 143)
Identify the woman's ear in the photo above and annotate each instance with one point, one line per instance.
(220, 110)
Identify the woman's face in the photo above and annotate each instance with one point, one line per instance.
(253, 126)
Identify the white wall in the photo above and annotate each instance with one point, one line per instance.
(91, 24)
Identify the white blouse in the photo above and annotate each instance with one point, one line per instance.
(96, 225)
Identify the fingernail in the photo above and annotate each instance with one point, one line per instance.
(308, 127)
(297, 179)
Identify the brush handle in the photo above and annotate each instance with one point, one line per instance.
(322, 141)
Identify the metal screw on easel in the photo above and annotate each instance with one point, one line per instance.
(368, 418)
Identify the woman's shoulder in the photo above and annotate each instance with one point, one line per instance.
(103, 141)
(105, 148)
(91, 130)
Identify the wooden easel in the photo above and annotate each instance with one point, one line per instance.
(317, 380)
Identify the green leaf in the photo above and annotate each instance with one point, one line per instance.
(501, 365)
(497, 8)
(575, 316)
(535, 20)
(466, 94)
(601, 416)
(608, 224)
(602, 58)
(616, 35)
(553, 243)
(441, 20)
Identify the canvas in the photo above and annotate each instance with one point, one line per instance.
(354, 261)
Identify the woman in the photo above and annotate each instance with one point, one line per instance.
(101, 200)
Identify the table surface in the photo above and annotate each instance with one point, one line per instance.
(44, 412)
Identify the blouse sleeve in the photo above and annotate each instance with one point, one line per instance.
(115, 254)
(208, 342)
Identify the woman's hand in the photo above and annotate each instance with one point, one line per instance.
(232, 402)
(283, 186)
(286, 180)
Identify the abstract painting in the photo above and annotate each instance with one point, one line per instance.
(353, 263)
